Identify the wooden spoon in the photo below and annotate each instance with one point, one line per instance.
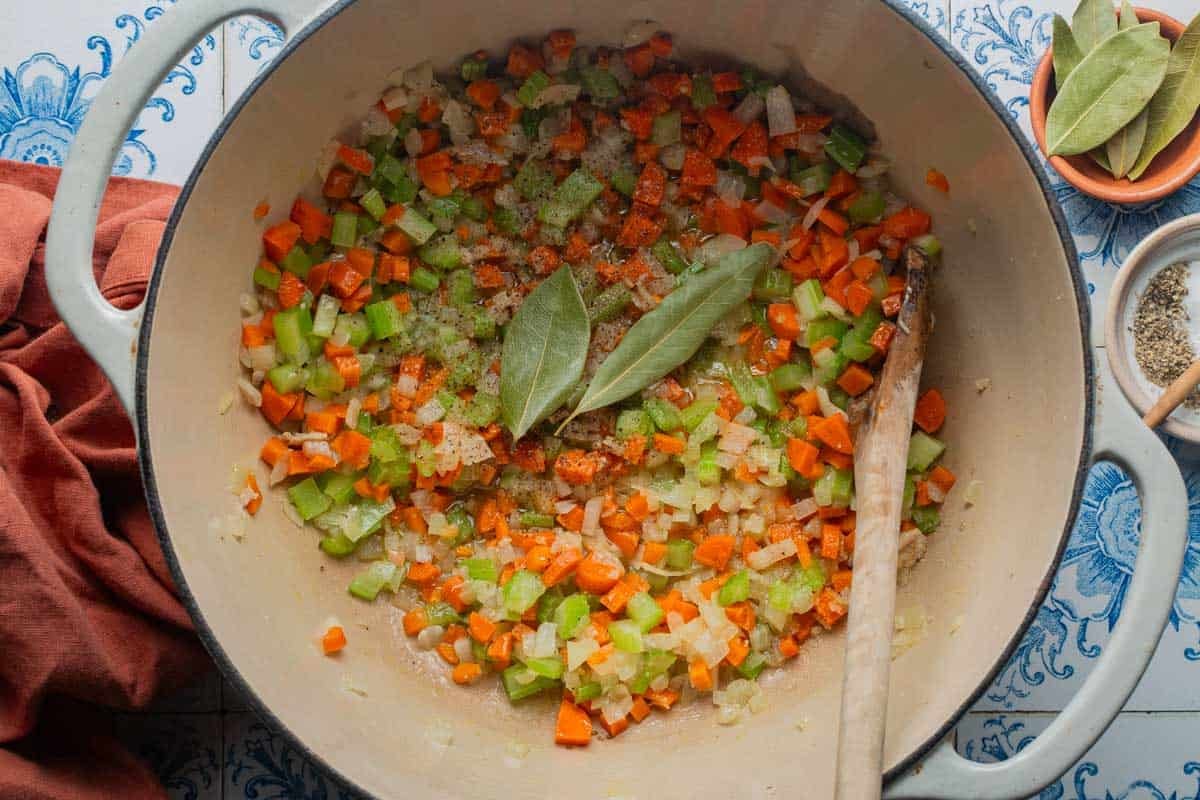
(879, 471)
(1175, 394)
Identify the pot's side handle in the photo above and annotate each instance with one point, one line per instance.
(109, 334)
(1123, 439)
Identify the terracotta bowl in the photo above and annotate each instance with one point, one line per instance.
(1170, 169)
(1011, 308)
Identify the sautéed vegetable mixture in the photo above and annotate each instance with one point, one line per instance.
(569, 352)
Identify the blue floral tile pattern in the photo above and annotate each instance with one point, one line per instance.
(260, 764)
(181, 749)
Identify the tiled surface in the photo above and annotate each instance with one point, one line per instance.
(205, 743)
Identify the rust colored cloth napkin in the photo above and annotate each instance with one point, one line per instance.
(88, 613)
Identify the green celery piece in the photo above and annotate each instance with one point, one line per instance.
(459, 518)
(928, 244)
(813, 180)
(599, 84)
(923, 450)
(842, 486)
(545, 667)
(368, 583)
(424, 280)
(366, 225)
(308, 499)
(752, 665)
(644, 610)
(867, 207)
(780, 595)
(292, 327)
(808, 297)
(522, 591)
(532, 519)
(668, 256)
(266, 278)
(823, 328)
(532, 87)
(384, 318)
(518, 689)
(385, 444)
(664, 415)
(372, 202)
(703, 94)
(845, 147)
(338, 486)
(773, 285)
(445, 252)
(634, 421)
(679, 554)
(828, 366)
(855, 346)
(666, 128)
(624, 181)
(473, 69)
(354, 327)
(654, 663)
(708, 471)
(287, 378)
(694, 414)
(926, 518)
(609, 304)
(402, 190)
(734, 590)
(444, 208)
(338, 545)
(812, 577)
(483, 409)
(418, 228)
(297, 262)
(394, 473)
(570, 199)
(345, 229)
(326, 316)
(324, 380)
(587, 691)
(571, 615)
(910, 495)
(790, 377)
(482, 569)
(533, 180)
(626, 635)
(547, 604)
(390, 169)
(461, 288)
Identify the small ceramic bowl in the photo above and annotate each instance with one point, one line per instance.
(1173, 243)
(1171, 169)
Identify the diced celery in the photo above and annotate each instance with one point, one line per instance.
(483, 409)
(326, 316)
(668, 256)
(927, 518)
(571, 615)
(418, 228)
(624, 182)
(532, 87)
(644, 610)
(588, 691)
(752, 665)
(845, 147)
(868, 321)
(599, 84)
(366, 225)
(441, 614)
(338, 486)
(839, 397)
(424, 280)
(345, 229)
(842, 487)
(828, 366)
(663, 414)
(703, 95)
(394, 473)
(626, 635)
(533, 180)
(287, 378)
(266, 279)
(654, 663)
(867, 207)
(790, 377)
(521, 682)
(443, 209)
(694, 414)
(929, 244)
(292, 327)
(734, 590)
(473, 69)
(633, 421)
(482, 569)
(551, 667)
(372, 202)
(813, 179)
(384, 319)
(533, 519)
(679, 554)
(297, 262)
(389, 168)
(570, 198)
(445, 252)
(819, 329)
(308, 499)
(385, 444)
(708, 471)
(754, 390)
(773, 284)
(855, 346)
(909, 496)
(521, 592)
(338, 545)
(368, 583)
(403, 189)
(923, 450)
(808, 297)
(548, 604)
(324, 381)
(609, 304)
(812, 577)
(354, 328)
(666, 128)
(371, 514)
(779, 596)
(461, 288)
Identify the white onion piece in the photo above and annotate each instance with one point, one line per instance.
(420, 77)
(781, 117)
(750, 108)
(810, 218)
(639, 32)
(556, 94)
(874, 167)
(395, 97)
(251, 393)
(715, 248)
(591, 516)
(413, 142)
(327, 158)
(459, 121)
(730, 188)
(764, 557)
(768, 211)
(672, 156)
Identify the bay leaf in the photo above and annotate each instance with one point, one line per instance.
(1177, 99)
(1092, 23)
(1110, 87)
(672, 332)
(1100, 156)
(1128, 16)
(1123, 148)
(1067, 54)
(545, 347)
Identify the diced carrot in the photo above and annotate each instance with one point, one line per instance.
(358, 160)
(801, 455)
(651, 185)
(447, 652)
(279, 239)
(419, 573)
(291, 290)
(480, 627)
(353, 448)
(483, 93)
(864, 267)
(597, 576)
(255, 502)
(834, 432)
(639, 59)
(572, 727)
(640, 710)
(835, 459)
(807, 402)
(466, 673)
(614, 729)
(635, 449)
(322, 421)
(855, 380)
(571, 520)
(275, 406)
(344, 279)
(333, 641)
(788, 647)
(742, 615)
(499, 652)
(273, 450)
(314, 223)
(921, 496)
(639, 231)
(907, 223)
(942, 478)
(671, 445)
(937, 180)
(698, 169)
(881, 339)
(523, 61)
(639, 121)
(700, 676)
(662, 700)
(738, 650)
(750, 150)
(726, 129)
(653, 552)
(829, 607)
(618, 596)
(831, 541)
(858, 297)
(824, 343)
(339, 183)
(561, 566)
(784, 320)
(415, 621)
(349, 368)
(931, 411)
(842, 183)
(834, 221)
(715, 551)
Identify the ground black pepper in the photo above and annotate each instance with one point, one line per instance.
(1161, 343)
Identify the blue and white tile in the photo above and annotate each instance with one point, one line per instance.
(183, 750)
(1141, 757)
(53, 61)
(259, 763)
(251, 43)
(935, 12)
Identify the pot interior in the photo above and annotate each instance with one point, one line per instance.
(385, 716)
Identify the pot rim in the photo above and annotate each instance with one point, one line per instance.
(146, 465)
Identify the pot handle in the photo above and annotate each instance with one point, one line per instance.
(109, 334)
(1123, 439)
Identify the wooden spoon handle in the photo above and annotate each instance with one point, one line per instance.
(879, 472)
(1175, 394)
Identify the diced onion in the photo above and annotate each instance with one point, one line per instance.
(814, 211)
(591, 516)
(251, 393)
(750, 108)
(430, 413)
(781, 117)
(672, 156)
(557, 94)
(420, 77)
(766, 556)
(717, 247)
(413, 142)
(428, 638)
(730, 188)
(973, 493)
(737, 438)
(395, 97)
(772, 213)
